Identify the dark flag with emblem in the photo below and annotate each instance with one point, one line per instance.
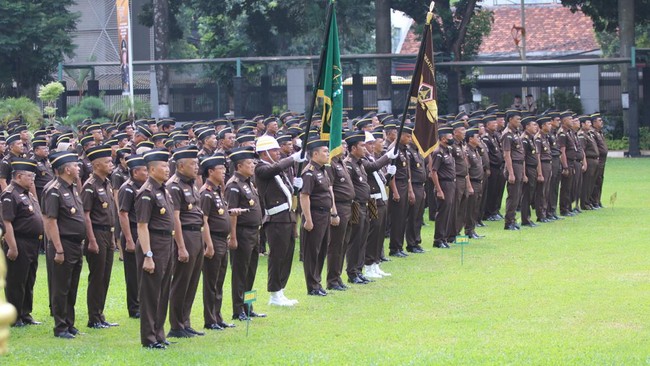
(423, 93)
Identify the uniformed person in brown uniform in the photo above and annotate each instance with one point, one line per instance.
(359, 167)
(443, 175)
(126, 201)
(463, 185)
(597, 122)
(23, 226)
(556, 170)
(496, 180)
(476, 176)
(543, 189)
(189, 249)
(85, 167)
(568, 153)
(44, 172)
(215, 263)
(65, 228)
(318, 212)
(533, 171)
(99, 204)
(15, 150)
(154, 213)
(414, 217)
(340, 234)
(580, 164)
(245, 220)
(276, 195)
(513, 155)
(591, 155)
(401, 195)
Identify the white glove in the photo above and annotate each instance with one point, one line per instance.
(298, 157)
(391, 169)
(391, 153)
(297, 182)
(298, 142)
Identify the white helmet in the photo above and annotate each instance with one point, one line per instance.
(266, 143)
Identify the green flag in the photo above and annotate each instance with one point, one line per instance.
(330, 88)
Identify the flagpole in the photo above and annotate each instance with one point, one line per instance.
(418, 63)
(321, 64)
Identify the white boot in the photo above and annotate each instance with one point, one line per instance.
(378, 270)
(290, 301)
(276, 299)
(370, 272)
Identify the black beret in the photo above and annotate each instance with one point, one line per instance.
(28, 165)
(134, 161)
(58, 159)
(241, 153)
(187, 152)
(156, 155)
(212, 161)
(100, 151)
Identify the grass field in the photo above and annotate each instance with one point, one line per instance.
(570, 292)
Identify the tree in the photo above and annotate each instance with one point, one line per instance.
(34, 39)
(604, 13)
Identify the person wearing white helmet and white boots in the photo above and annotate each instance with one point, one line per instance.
(275, 191)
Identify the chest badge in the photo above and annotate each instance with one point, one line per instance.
(105, 205)
(31, 208)
(221, 211)
(251, 202)
(189, 206)
(162, 211)
(73, 210)
(403, 163)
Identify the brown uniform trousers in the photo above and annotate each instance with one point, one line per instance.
(460, 205)
(100, 266)
(528, 194)
(356, 251)
(282, 243)
(445, 219)
(130, 273)
(397, 212)
(542, 191)
(588, 182)
(473, 206)
(214, 276)
(185, 280)
(154, 288)
(315, 246)
(415, 215)
(65, 282)
(376, 234)
(514, 192)
(244, 259)
(19, 290)
(338, 246)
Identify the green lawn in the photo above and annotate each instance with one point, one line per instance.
(570, 292)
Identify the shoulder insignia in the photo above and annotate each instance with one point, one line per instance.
(175, 188)
(128, 190)
(234, 189)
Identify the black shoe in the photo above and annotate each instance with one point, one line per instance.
(543, 220)
(364, 278)
(316, 293)
(556, 217)
(345, 287)
(440, 245)
(356, 281)
(179, 333)
(225, 325)
(18, 324)
(28, 320)
(493, 218)
(480, 224)
(529, 224)
(241, 317)
(414, 250)
(336, 288)
(74, 331)
(511, 227)
(384, 259)
(323, 292)
(107, 324)
(193, 331)
(475, 236)
(64, 335)
(135, 316)
(499, 216)
(567, 214)
(156, 345)
(398, 254)
(213, 326)
(257, 315)
(167, 343)
(97, 325)
(577, 210)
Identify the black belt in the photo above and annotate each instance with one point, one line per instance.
(102, 227)
(320, 208)
(592, 157)
(547, 161)
(402, 180)
(517, 161)
(420, 183)
(460, 176)
(347, 202)
(29, 236)
(362, 203)
(161, 232)
(496, 165)
(192, 227)
(579, 160)
(531, 165)
(219, 234)
(476, 180)
(446, 179)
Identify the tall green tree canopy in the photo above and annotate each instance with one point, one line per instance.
(35, 37)
(604, 13)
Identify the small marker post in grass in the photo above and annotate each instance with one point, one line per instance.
(249, 299)
(612, 199)
(462, 240)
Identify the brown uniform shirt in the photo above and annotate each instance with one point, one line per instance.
(494, 150)
(97, 198)
(601, 143)
(316, 183)
(530, 149)
(444, 163)
(119, 176)
(459, 153)
(86, 168)
(590, 145)
(5, 166)
(544, 147)
(512, 142)
(153, 206)
(402, 164)
(271, 194)
(126, 199)
(44, 173)
(186, 199)
(341, 180)
(416, 164)
(475, 163)
(21, 208)
(61, 201)
(566, 139)
(240, 193)
(215, 207)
